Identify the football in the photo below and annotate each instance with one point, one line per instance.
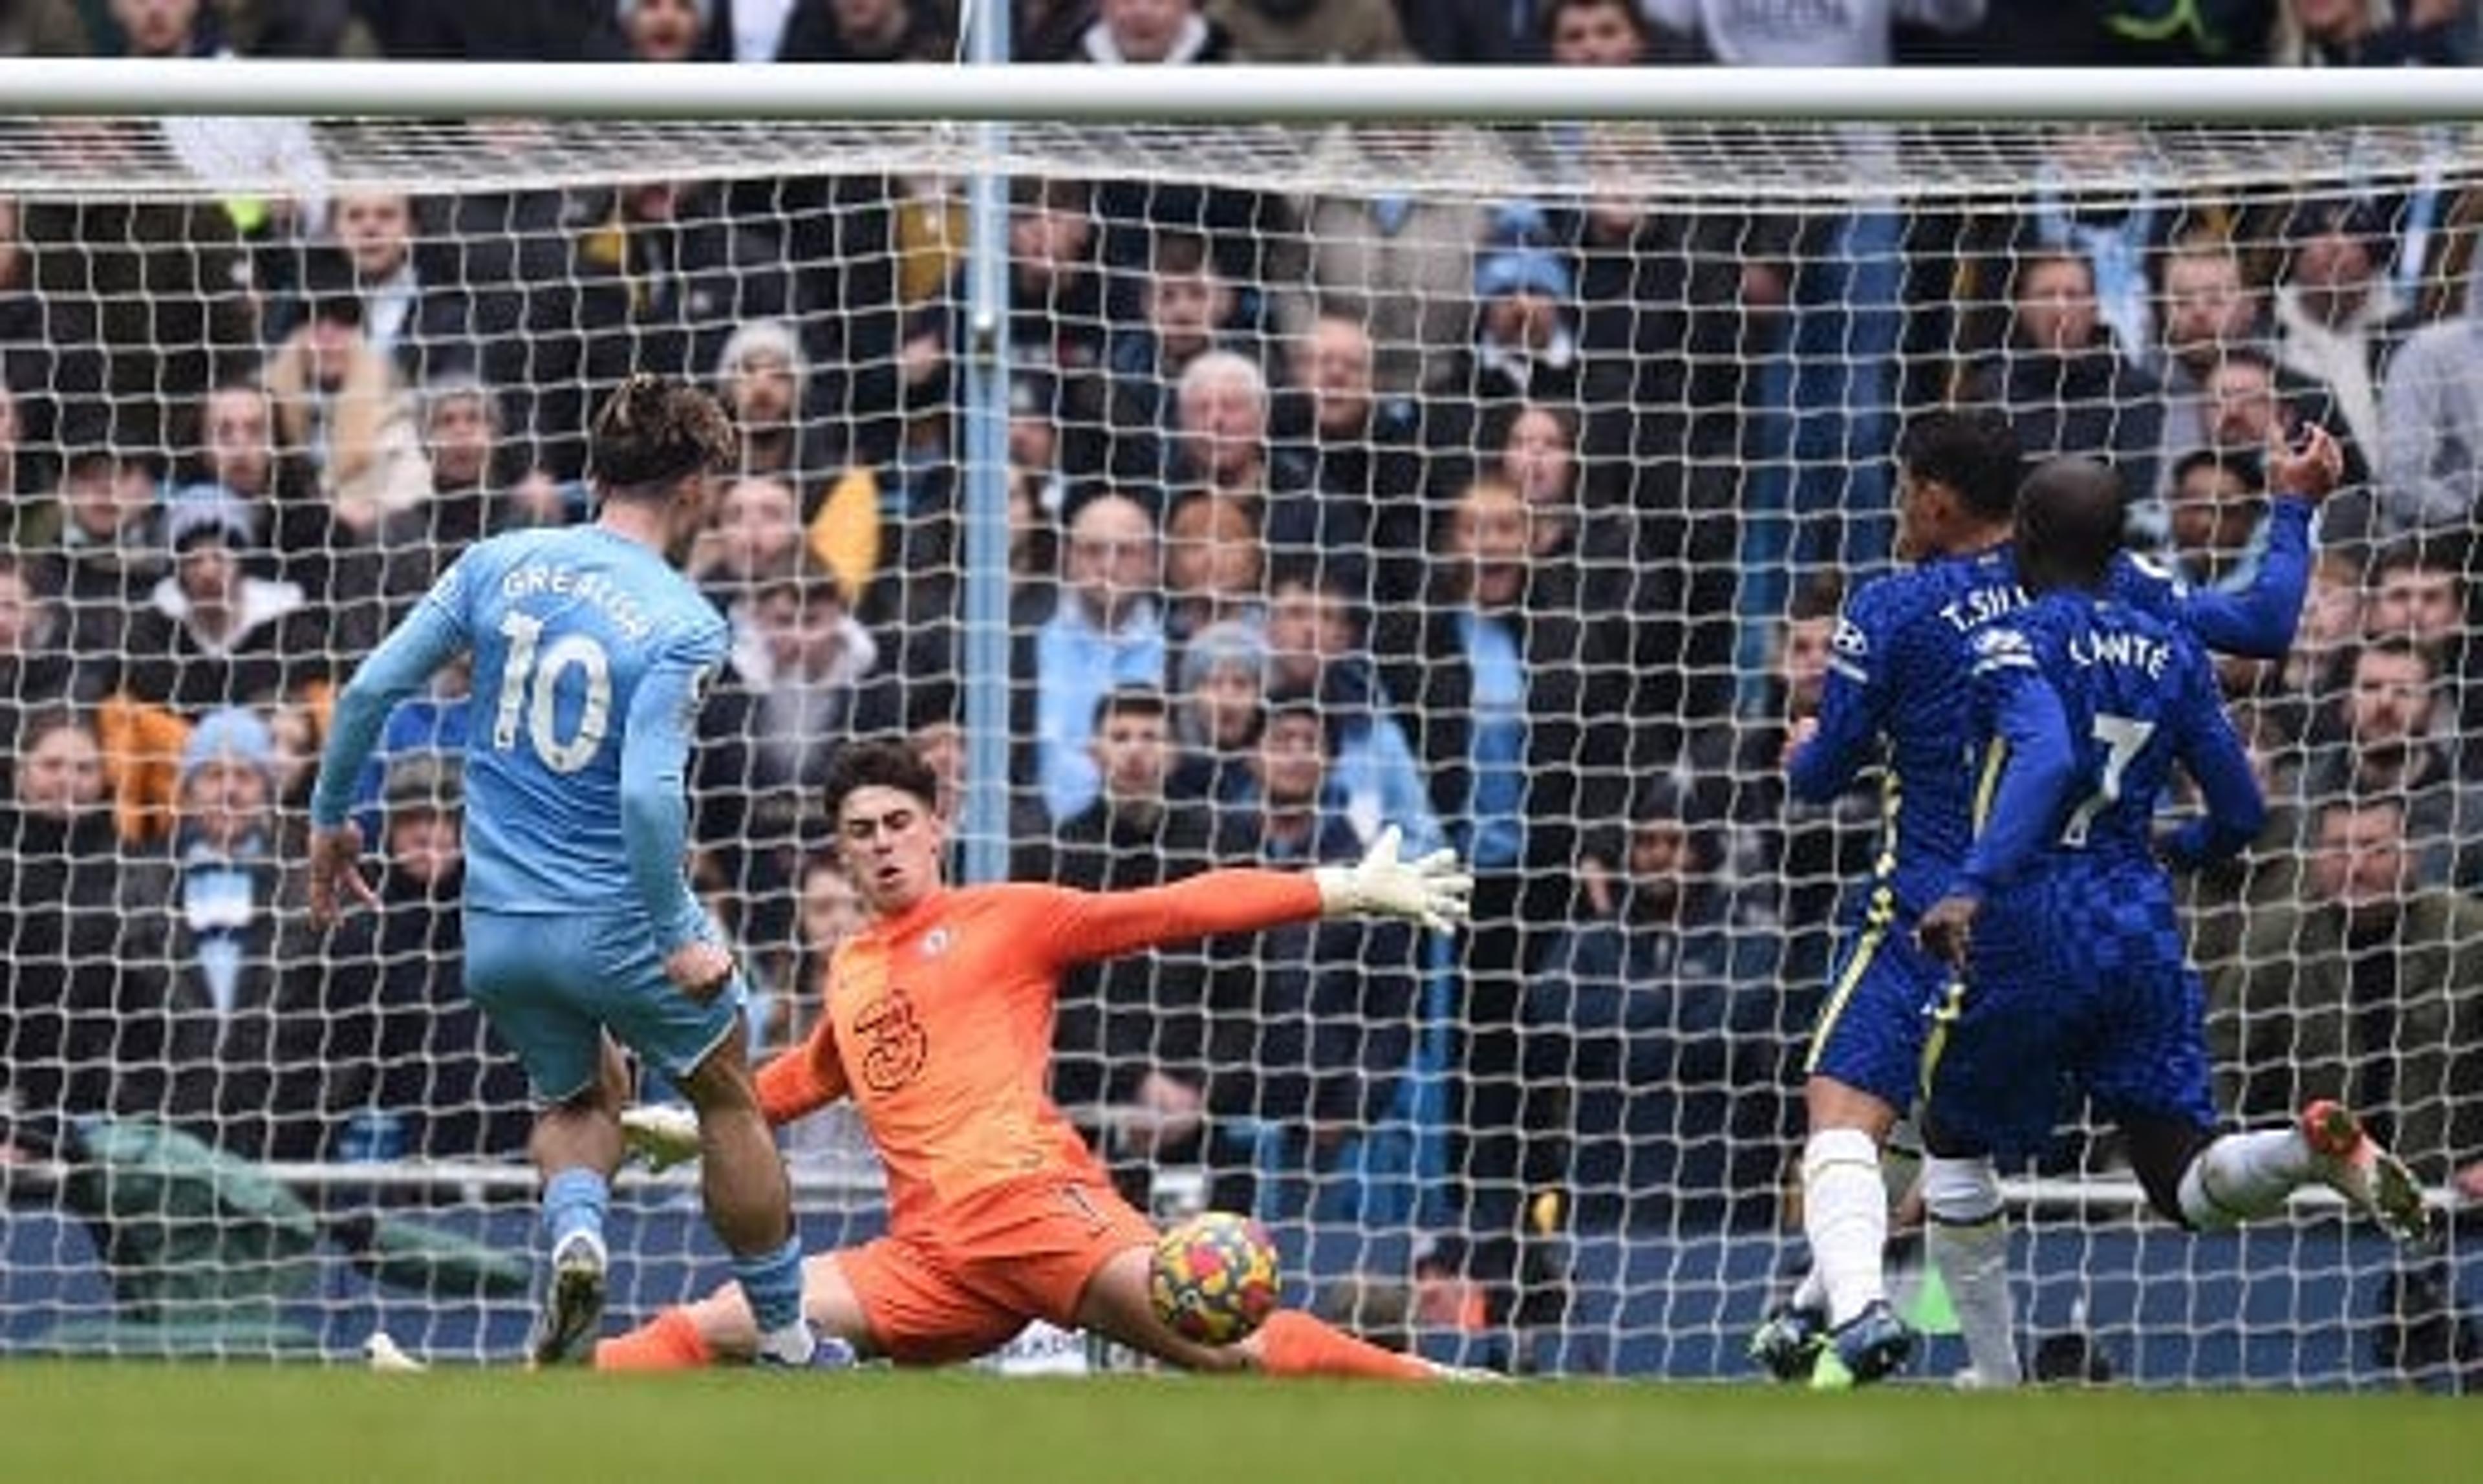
(1214, 1278)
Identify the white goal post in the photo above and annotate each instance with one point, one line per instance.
(1738, 284)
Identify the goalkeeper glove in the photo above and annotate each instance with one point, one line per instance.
(661, 1134)
(1431, 890)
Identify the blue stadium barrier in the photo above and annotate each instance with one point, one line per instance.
(2284, 1306)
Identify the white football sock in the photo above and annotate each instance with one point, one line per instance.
(1968, 1241)
(2242, 1176)
(1900, 1159)
(1845, 1214)
(1812, 1292)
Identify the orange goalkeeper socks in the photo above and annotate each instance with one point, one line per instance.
(1294, 1343)
(669, 1342)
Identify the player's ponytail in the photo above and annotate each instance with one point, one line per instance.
(653, 432)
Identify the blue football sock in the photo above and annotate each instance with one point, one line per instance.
(573, 1200)
(772, 1282)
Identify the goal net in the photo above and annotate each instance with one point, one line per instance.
(1498, 482)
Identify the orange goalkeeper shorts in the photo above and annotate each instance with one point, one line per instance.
(962, 1286)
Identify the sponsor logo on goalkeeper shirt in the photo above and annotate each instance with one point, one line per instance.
(894, 1044)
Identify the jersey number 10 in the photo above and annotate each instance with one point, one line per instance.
(530, 682)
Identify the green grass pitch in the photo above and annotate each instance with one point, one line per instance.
(145, 1423)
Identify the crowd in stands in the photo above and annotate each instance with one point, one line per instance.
(1522, 525)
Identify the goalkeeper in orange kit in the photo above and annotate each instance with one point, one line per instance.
(939, 1027)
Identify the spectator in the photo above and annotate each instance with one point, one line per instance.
(801, 656)
(1832, 391)
(2368, 34)
(1057, 329)
(2369, 987)
(1215, 565)
(50, 361)
(756, 529)
(2115, 233)
(1787, 860)
(1646, 1034)
(2250, 402)
(462, 433)
(1662, 592)
(2217, 518)
(2417, 590)
(60, 868)
(1107, 630)
(1508, 695)
(799, 663)
(658, 278)
(228, 156)
(38, 669)
(107, 549)
(2431, 419)
(161, 281)
(1168, 33)
(2383, 737)
(1187, 303)
(764, 380)
(399, 1057)
(1309, 1026)
(1222, 446)
(339, 401)
(666, 30)
(435, 719)
(2337, 318)
(495, 31)
(1223, 678)
(1861, 36)
(1128, 1036)
(1297, 31)
(2212, 317)
(1315, 647)
(212, 635)
(296, 536)
(420, 322)
(2062, 384)
(935, 725)
(1363, 453)
(1465, 32)
(863, 31)
(206, 921)
(1401, 266)
(1525, 345)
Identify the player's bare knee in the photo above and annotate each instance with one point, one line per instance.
(1834, 1104)
(1960, 1192)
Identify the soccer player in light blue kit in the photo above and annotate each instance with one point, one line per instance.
(2073, 971)
(1897, 694)
(592, 654)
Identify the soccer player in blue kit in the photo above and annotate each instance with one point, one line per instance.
(1898, 694)
(2074, 971)
(592, 653)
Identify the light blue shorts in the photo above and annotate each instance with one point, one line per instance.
(552, 985)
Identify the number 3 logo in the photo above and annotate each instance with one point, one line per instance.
(531, 681)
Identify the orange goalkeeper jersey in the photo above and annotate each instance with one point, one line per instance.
(939, 1021)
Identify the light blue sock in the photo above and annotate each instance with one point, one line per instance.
(573, 1200)
(772, 1282)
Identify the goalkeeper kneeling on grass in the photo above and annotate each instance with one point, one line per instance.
(937, 1025)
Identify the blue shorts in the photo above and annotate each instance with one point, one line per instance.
(1881, 999)
(2079, 986)
(551, 987)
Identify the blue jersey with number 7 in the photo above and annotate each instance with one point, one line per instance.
(2082, 706)
(591, 657)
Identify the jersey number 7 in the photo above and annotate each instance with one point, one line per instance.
(2122, 738)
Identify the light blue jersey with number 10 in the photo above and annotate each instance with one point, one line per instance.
(591, 657)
